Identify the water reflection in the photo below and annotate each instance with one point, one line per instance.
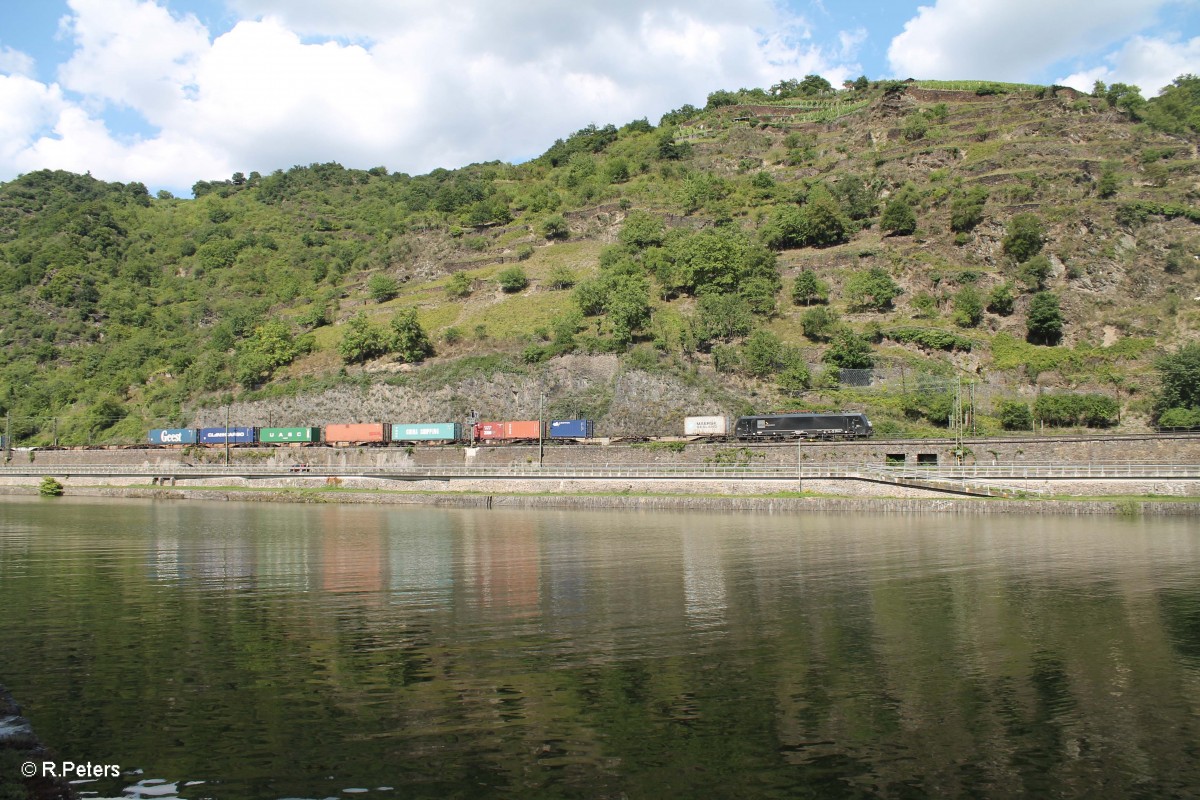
(246, 651)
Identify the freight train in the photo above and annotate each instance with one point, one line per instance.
(772, 427)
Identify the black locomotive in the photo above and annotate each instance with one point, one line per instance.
(847, 425)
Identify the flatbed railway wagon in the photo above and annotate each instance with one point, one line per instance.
(843, 425)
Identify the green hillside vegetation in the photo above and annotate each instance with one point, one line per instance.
(1021, 240)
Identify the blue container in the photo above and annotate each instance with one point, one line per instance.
(173, 436)
(571, 429)
(217, 435)
(426, 432)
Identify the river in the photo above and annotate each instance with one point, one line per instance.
(246, 650)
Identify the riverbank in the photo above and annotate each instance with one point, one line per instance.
(776, 502)
(20, 746)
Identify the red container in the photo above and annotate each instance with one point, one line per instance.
(507, 431)
(361, 432)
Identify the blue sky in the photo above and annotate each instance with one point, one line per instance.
(169, 92)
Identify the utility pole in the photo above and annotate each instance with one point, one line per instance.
(227, 435)
(7, 436)
(541, 403)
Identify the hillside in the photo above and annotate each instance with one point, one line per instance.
(875, 248)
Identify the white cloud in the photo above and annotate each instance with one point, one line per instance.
(1010, 39)
(1148, 63)
(132, 53)
(14, 62)
(411, 86)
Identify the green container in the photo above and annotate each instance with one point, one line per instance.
(283, 435)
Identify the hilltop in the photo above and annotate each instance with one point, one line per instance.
(885, 247)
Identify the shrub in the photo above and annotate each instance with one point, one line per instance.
(1180, 419)
(1014, 415)
(967, 211)
(555, 227)
(1025, 237)
(1001, 300)
(968, 307)
(873, 289)
(1092, 410)
(50, 487)
(561, 277)
(849, 351)
(512, 279)
(930, 338)
(898, 217)
(382, 287)
(819, 323)
(1034, 272)
(459, 286)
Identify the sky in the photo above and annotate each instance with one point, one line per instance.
(170, 92)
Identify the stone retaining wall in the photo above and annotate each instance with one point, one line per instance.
(1181, 449)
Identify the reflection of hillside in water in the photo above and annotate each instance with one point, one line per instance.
(842, 654)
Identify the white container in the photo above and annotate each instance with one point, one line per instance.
(706, 426)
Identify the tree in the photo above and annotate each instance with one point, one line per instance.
(642, 230)
(1044, 322)
(1179, 379)
(1034, 272)
(1025, 237)
(361, 340)
(721, 317)
(824, 222)
(382, 287)
(761, 353)
(561, 277)
(1177, 108)
(872, 289)
(898, 217)
(409, 339)
(809, 289)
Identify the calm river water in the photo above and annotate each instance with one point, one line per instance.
(244, 651)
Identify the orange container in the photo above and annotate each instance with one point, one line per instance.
(356, 432)
(500, 431)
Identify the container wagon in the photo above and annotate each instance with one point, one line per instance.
(847, 425)
(507, 431)
(357, 433)
(570, 429)
(707, 426)
(289, 435)
(426, 432)
(170, 436)
(226, 435)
